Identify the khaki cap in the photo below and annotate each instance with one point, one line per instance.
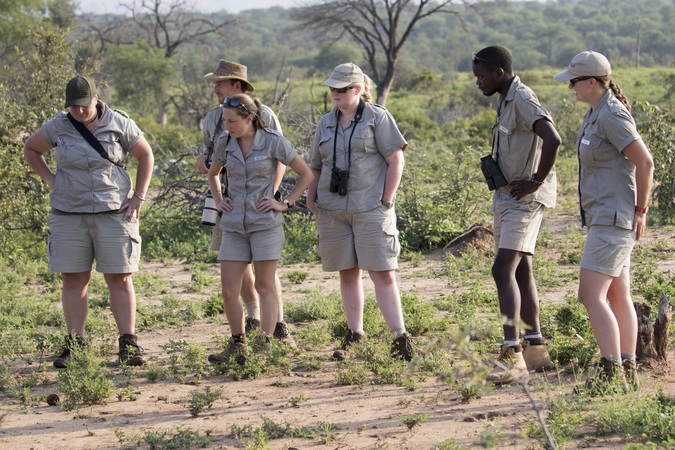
(585, 64)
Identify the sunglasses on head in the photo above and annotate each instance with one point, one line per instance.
(574, 81)
(475, 57)
(341, 90)
(235, 103)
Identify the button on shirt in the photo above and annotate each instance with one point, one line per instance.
(376, 136)
(85, 181)
(250, 178)
(516, 147)
(607, 183)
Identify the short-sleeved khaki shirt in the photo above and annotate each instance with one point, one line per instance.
(375, 137)
(251, 177)
(85, 181)
(516, 147)
(607, 178)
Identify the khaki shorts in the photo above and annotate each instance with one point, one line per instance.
(76, 240)
(607, 249)
(516, 224)
(368, 240)
(256, 246)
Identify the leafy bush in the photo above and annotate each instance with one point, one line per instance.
(85, 380)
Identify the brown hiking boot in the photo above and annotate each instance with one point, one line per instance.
(251, 325)
(282, 333)
(516, 369)
(401, 347)
(236, 348)
(630, 371)
(536, 356)
(130, 353)
(345, 352)
(608, 378)
(72, 342)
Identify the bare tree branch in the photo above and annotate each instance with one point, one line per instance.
(380, 27)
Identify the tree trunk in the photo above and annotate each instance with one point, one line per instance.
(652, 340)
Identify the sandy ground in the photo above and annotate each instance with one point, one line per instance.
(366, 417)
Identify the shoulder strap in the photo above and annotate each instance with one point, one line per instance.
(86, 134)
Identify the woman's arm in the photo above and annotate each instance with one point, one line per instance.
(311, 190)
(142, 153)
(395, 163)
(33, 152)
(638, 153)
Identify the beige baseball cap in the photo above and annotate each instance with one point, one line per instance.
(585, 64)
(344, 75)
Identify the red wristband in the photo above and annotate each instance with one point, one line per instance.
(642, 210)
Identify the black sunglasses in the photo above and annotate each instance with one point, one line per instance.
(475, 57)
(233, 102)
(573, 81)
(341, 90)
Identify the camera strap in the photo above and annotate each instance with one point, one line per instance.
(89, 137)
(357, 118)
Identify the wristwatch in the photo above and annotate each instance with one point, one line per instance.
(534, 180)
(387, 205)
(287, 203)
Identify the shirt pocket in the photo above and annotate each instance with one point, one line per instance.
(326, 148)
(590, 150)
(505, 131)
(364, 140)
(112, 146)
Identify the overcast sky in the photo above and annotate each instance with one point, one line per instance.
(231, 6)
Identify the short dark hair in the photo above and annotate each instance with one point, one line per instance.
(497, 56)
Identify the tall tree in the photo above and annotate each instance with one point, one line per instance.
(380, 27)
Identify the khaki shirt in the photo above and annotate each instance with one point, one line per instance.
(375, 137)
(213, 126)
(85, 182)
(607, 183)
(251, 177)
(516, 148)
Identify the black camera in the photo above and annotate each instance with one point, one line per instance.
(492, 173)
(338, 181)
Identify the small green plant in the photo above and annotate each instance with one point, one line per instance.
(200, 400)
(491, 436)
(296, 401)
(327, 431)
(351, 374)
(448, 444)
(411, 421)
(296, 276)
(85, 380)
(155, 373)
(183, 438)
(468, 391)
(127, 393)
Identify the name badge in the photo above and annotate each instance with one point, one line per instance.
(586, 142)
(503, 129)
(260, 158)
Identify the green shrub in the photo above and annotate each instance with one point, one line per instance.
(85, 380)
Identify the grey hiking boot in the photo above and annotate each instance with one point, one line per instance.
(630, 371)
(72, 342)
(236, 349)
(130, 352)
(251, 325)
(345, 352)
(536, 355)
(514, 367)
(401, 347)
(282, 333)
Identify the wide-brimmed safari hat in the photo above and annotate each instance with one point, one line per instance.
(345, 75)
(585, 64)
(79, 91)
(228, 70)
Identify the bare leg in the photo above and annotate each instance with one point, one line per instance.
(504, 273)
(248, 292)
(593, 287)
(388, 298)
(351, 288)
(75, 301)
(231, 276)
(266, 286)
(529, 298)
(624, 311)
(122, 301)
